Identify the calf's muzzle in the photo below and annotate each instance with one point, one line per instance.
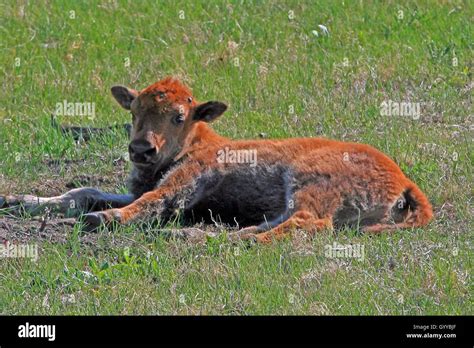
(141, 151)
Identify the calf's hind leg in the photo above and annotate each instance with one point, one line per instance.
(309, 215)
(301, 219)
(72, 202)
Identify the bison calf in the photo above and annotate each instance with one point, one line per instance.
(268, 187)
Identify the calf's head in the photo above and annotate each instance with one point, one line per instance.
(163, 117)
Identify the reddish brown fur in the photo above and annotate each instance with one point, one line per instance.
(327, 182)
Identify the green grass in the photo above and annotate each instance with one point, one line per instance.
(278, 65)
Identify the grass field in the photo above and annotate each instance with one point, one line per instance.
(279, 78)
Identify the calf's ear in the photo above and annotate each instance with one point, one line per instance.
(209, 111)
(124, 96)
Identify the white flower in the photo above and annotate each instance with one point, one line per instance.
(324, 29)
(315, 33)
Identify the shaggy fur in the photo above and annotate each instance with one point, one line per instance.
(296, 183)
(305, 183)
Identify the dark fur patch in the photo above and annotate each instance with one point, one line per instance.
(242, 195)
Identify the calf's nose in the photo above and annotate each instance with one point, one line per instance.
(141, 151)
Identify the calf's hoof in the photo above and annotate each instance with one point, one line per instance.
(250, 238)
(247, 240)
(92, 221)
(192, 234)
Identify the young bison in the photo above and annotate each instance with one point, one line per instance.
(180, 165)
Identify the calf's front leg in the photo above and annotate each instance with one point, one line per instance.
(150, 204)
(73, 202)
